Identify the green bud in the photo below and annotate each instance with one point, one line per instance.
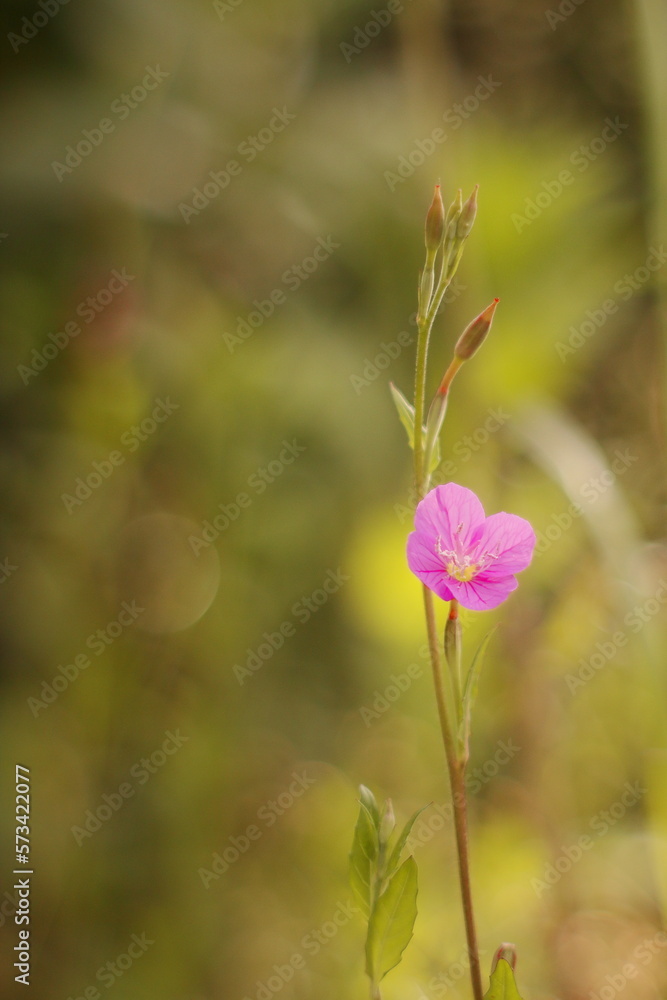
(454, 209)
(368, 799)
(387, 823)
(475, 333)
(453, 642)
(467, 216)
(435, 222)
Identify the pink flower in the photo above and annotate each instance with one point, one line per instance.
(461, 554)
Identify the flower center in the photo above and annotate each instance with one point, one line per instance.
(457, 564)
(464, 572)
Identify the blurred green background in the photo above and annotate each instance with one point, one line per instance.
(211, 223)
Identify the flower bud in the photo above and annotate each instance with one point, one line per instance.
(474, 334)
(506, 951)
(467, 216)
(435, 222)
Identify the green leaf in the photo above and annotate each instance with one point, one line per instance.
(392, 922)
(470, 689)
(363, 858)
(502, 986)
(395, 856)
(406, 413)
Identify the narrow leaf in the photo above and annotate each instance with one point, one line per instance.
(434, 458)
(392, 922)
(395, 856)
(470, 689)
(406, 413)
(502, 986)
(363, 857)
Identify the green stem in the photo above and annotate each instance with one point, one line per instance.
(424, 331)
(455, 766)
(456, 769)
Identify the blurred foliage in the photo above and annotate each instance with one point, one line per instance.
(236, 800)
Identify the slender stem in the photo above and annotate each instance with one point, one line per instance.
(420, 395)
(461, 826)
(456, 769)
(455, 766)
(448, 377)
(436, 664)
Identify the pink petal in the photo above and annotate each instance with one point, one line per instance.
(427, 566)
(483, 594)
(510, 539)
(450, 512)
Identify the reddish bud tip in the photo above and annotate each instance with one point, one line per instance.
(475, 333)
(507, 950)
